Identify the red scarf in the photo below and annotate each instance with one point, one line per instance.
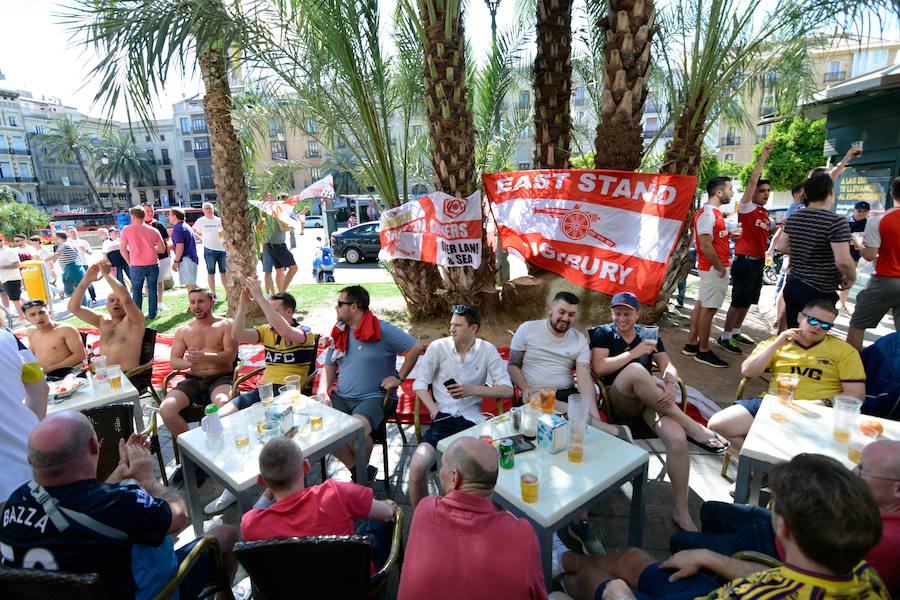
(368, 330)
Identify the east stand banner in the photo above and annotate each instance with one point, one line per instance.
(609, 231)
(437, 228)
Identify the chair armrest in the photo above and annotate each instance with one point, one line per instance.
(139, 369)
(168, 379)
(417, 423)
(757, 557)
(603, 397)
(238, 380)
(386, 404)
(500, 410)
(683, 388)
(207, 543)
(739, 394)
(152, 428)
(396, 542)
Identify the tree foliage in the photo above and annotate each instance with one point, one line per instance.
(798, 148)
(17, 217)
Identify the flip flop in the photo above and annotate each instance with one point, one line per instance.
(710, 444)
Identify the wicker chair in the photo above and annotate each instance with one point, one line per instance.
(29, 584)
(111, 423)
(738, 395)
(141, 377)
(379, 436)
(328, 566)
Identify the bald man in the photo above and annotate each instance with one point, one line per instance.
(66, 520)
(730, 528)
(484, 552)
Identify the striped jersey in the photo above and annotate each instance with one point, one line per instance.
(67, 254)
(810, 233)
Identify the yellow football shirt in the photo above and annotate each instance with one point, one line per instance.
(821, 368)
(283, 357)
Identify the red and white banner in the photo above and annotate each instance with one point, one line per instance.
(283, 210)
(323, 188)
(437, 228)
(609, 231)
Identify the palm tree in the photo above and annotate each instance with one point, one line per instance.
(68, 143)
(627, 29)
(124, 161)
(141, 45)
(552, 84)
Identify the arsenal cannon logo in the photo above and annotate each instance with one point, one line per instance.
(454, 207)
(576, 223)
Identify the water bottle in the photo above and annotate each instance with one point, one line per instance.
(211, 423)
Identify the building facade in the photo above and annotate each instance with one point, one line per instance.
(16, 166)
(158, 143)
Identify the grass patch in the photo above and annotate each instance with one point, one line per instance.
(309, 297)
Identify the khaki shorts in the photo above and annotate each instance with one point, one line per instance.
(631, 407)
(165, 268)
(712, 289)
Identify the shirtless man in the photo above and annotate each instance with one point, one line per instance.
(57, 346)
(205, 348)
(121, 330)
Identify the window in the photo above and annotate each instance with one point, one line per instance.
(162, 137)
(13, 121)
(578, 96)
(151, 156)
(729, 156)
(164, 153)
(312, 149)
(524, 99)
(279, 150)
(38, 129)
(276, 128)
(192, 177)
(201, 143)
(146, 138)
(868, 61)
(185, 126)
(198, 124)
(316, 174)
(416, 130)
(311, 126)
(524, 166)
(834, 67)
(341, 144)
(30, 196)
(188, 146)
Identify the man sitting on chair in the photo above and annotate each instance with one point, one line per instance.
(622, 358)
(57, 346)
(288, 348)
(66, 520)
(206, 349)
(827, 366)
(461, 370)
(288, 508)
(825, 519)
(122, 327)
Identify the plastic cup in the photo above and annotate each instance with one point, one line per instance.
(578, 417)
(293, 380)
(529, 480)
(99, 365)
(270, 430)
(114, 377)
(266, 393)
(239, 433)
(548, 400)
(316, 421)
(787, 384)
(288, 393)
(860, 438)
(846, 410)
(530, 420)
(858, 239)
(650, 334)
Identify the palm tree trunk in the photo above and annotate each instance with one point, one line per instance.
(452, 139)
(228, 173)
(87, 178)
(619, 143)
(553, 84)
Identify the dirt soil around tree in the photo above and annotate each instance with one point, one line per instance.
(717, 384)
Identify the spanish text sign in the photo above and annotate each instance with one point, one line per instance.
(609, 231)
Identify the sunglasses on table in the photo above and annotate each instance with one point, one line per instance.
(825, 325)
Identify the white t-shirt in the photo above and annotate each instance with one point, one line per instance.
(83, 250)
(549, 358)
(482, 365)
(18, 420)
(110, 245)
(211, 232)
(8, 254)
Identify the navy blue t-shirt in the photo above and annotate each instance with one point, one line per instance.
(135, 568)
(182, 234)
(607, 336)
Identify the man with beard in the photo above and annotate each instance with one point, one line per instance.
(207, 351)
(749, 256)
(713, 254)
(120, 330)
(543, 354)
(57, 346)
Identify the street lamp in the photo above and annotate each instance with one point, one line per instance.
(492, 6)
(104, 160)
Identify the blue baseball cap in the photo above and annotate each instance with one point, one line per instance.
(625, 299)
(862, 205)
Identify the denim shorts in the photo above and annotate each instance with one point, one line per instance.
(752, 405)
(213, 258)
(443, 426)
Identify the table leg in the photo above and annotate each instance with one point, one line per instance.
(742, 483)
(545, 540)
(138, 415)
(192, 491)
(636, 526)
(756, 475)
(362, 475)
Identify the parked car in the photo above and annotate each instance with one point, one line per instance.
(357, 243)
(314, 221)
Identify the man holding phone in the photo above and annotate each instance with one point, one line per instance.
(460, 371)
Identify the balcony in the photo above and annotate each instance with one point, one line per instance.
(165, 161)
(730, 140)
(202, 153)
(170, 182)
(18, 179)
(18, 151)
(206, 182)
(197, 129)
(668, 132)
(833, 76)
(311, 154)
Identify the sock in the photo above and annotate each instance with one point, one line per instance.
(736, 332)
(726, 335)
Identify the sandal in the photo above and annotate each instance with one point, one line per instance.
(711, 445)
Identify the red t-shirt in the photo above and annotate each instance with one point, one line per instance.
(754, 220)
(460, 546)
(883, 232)
(709, 221)
(884, 558)
(326, 509)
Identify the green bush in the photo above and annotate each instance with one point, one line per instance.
(798, 148)
(16, 217)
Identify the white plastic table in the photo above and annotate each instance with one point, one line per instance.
(567, 488)
(94, 395)
(807, 430)
(237, 468)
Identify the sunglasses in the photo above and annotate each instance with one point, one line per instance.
(32, 303)
(825, 325)
(340, 304)
(462, 309)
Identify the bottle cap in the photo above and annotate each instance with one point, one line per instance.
(210, 409)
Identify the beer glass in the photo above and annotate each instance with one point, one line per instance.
(846, 409)
(316, 422)
(787, 385)
(529, 479)
(266, 393)
(548, 400)
(114, 377)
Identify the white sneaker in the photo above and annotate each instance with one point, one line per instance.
(160, 307)
(556, 552)
(220, 503)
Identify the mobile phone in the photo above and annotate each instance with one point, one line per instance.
(449, 382)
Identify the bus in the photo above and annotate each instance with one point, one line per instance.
(82, 222)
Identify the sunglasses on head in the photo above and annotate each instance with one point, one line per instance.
(825, 325)
(32, 303)
(462, 309)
